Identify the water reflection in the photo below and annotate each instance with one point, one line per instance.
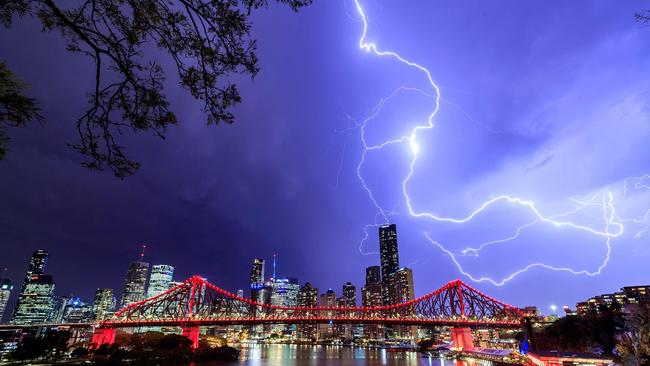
(317, 355)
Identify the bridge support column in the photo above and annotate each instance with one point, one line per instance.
(462, 339)
(103, 336)
(192, 333)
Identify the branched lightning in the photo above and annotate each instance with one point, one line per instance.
(613, 224)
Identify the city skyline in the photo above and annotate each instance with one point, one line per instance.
(274, 183)
(140, 283)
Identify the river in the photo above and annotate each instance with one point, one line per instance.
(289, 355)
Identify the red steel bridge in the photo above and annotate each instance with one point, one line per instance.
(196, 302)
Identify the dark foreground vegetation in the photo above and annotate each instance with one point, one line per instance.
(152, 348)
(620, 333)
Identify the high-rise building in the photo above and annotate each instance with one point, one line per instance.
(60, 303)
(388, 256)
(284, 292)
(328, 299)
(103, 304)
(401, 285)
(5, 292)
(373, 275)
(257, 279)
(240, 293)
(36, 303)
(135, 283)
(308, 297)
(160, 278)
(350, 295)
(77, 311)
(35, 267)
(371, 296)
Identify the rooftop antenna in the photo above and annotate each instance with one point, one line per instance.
(4, 273)
(144, 246)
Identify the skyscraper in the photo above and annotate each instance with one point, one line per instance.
(103, 304)
(160, 278)
(307, 297)
(36, 266)
(77, 311)
(373, 275)
(284, 292)
(371, 296)
(257, 279)
(328, 299)
(36, 303)
(350, 295)
(401, 285)
(388, 256)
(5, 292)
(134, 283)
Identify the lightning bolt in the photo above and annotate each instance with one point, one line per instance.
(613, 224)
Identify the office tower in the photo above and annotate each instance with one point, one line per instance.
(103, 304)
(77, 311)
(388, 256)
(307, 298)
(257, 279)
(350, 295)
(134, 283)
(401, 285)
(5, 292)
(328, 299)
(60, 303)
(36, 301)
(373, 274)
(35, 267)
(371, 296)
(284, 292)
(160, 278)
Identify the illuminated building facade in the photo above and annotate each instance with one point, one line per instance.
(160, 278)
(616, 300)
(103, 304)
(350, 295)
(388, 257)
(36, 301)
(373, 275)
(135, 283)
(35, 267)
(328, 299)
(307, 297)
(77, 311)
(400, 285)
(401, 289)
(257, 279)
(6, 286)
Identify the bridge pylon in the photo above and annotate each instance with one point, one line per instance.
(462, 339)
(192, 333)
(102, 336)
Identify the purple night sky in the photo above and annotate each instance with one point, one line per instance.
(546, 101)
